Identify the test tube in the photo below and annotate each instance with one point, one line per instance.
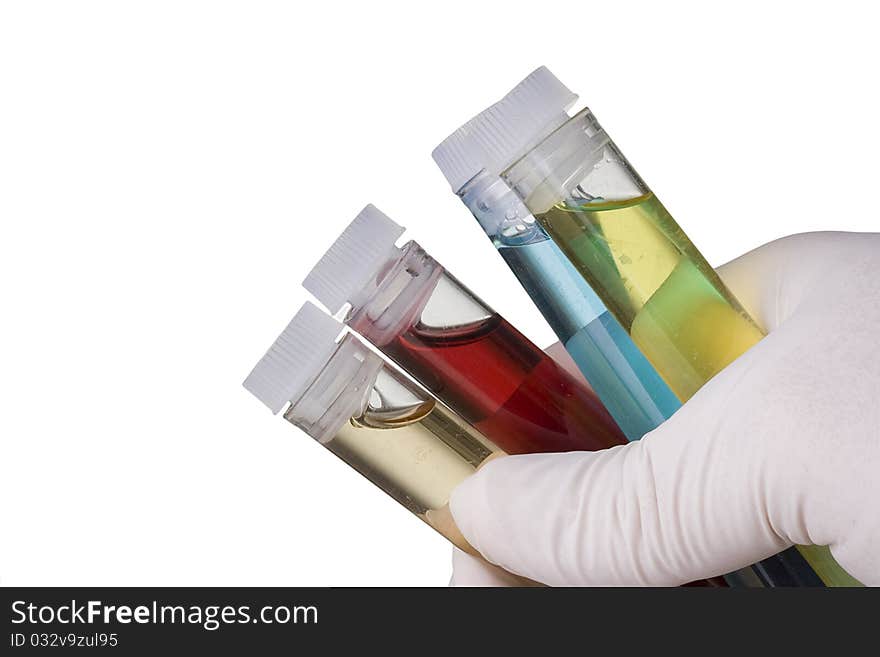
(406, 304)
(615, 232)
(364, 410)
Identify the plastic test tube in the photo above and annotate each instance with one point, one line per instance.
(370, 415)
(461, 350)
(624, 243)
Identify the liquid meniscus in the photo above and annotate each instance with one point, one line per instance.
(415, 449)
(657, 284)
(510, 390)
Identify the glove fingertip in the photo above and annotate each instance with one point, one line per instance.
(468, 505)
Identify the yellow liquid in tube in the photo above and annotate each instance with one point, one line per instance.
(662, 290)
(417, 450)
(672, 302)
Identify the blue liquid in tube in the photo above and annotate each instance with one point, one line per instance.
(628, 385)
(634, 393)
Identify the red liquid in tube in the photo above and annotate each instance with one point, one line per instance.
(507, 388)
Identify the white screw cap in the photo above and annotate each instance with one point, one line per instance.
(295, 359)
(500, 134)
(354, 259)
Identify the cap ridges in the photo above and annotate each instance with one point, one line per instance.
(500, 134)
(353, 259)
(295, 359)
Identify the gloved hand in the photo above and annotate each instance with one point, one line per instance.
(781, 447)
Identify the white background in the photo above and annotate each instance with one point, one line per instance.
(169, 171)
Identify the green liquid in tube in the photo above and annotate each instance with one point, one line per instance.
(662, 290)
(660, 282)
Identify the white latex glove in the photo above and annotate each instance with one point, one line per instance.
(781, 447)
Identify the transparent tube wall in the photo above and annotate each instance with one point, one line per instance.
(647, 272)
(473, 360)
(393, 432)
(626, 383)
